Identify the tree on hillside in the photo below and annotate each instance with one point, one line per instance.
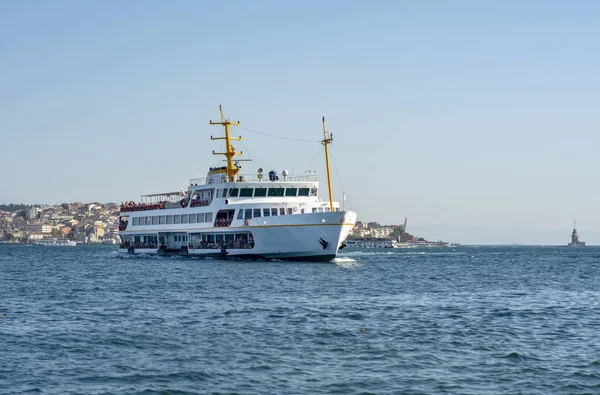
(12, 207)
(398, 231)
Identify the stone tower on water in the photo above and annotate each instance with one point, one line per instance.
(575, 237)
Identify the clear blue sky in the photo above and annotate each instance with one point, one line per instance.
(462, 113)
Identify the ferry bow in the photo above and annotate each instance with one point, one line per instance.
(231, 215)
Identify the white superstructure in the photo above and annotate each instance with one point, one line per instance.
(228, 214)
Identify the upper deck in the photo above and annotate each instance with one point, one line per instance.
(203, 191)
(254, 178)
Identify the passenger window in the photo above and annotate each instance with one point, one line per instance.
(256, 213)
(248, 213)
(169, 219)
(273, 211)
(281, 211)
(303, 192)
(201, 218)
(233, 192)
(289, 211)
(266, 212)
(240, 214)
(291, 191)
(209, 217)
(177, 219)
(246, 192)
(184, 219)
(276, 191)
(260, 192)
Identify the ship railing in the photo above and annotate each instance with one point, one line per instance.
(221, 222)
(158, 201)
(199, 203)
(162, 205)
(264, 178)
(167, 197)
(130, 206)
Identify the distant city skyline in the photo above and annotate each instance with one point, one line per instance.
(462, 115)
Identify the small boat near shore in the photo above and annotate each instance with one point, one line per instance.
(375, 243)
(56, 242)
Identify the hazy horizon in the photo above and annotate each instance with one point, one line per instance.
(468, 118)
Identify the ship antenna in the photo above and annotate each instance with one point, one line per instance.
(326, 141)
(232, 169)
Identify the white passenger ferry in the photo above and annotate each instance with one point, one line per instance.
(56, 242)
(227, 214)
(376, 243)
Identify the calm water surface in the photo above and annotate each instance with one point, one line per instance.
(487, 320)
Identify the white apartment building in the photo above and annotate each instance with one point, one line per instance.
(33, 212)
(381, 232)
(39, 228)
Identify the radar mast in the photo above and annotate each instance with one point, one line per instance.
(232, 169)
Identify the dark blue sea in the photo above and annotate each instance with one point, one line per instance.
(463, 320)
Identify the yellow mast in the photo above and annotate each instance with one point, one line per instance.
(326, 141)
(232, 170)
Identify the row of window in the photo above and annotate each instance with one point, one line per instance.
(261, 192)
(173, 219)
(221, 237)
(271, 212)
(239, 240)
(248, 213)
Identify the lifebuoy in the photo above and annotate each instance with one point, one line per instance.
(246, 222)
